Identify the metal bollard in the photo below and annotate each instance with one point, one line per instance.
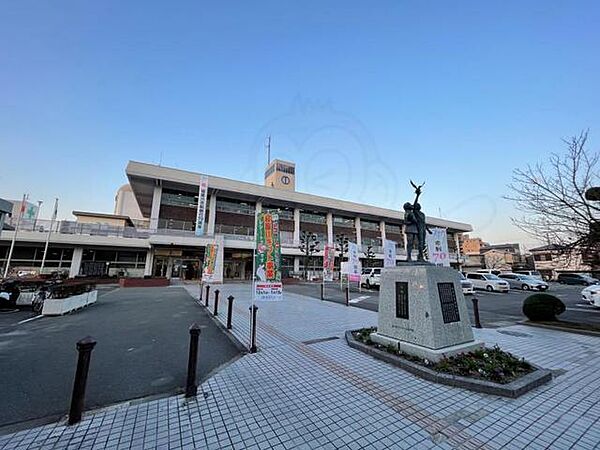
(216, 308)
(206, 297)
(84, 347)
(191, 388)
(476, 312)
(322, 291)
(347, 295)
(253, 310)
(229, 311)
(200, 295)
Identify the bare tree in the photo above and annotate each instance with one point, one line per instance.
(552, 198)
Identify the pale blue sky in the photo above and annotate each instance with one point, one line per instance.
(362, 95)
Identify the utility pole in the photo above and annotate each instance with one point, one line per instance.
(14, 239)
(268, 146)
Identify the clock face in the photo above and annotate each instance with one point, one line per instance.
(285, 179)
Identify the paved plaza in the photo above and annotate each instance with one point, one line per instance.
(306, 388)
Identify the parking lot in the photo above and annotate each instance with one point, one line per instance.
(496, 309)
(142, 348)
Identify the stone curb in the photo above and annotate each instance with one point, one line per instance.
(512, 390)
(547, 326)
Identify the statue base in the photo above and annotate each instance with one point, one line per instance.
(422, 311)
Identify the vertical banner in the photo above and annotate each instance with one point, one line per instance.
(210, 260)
(389, 253)
(437, 247)
(267, 261)
(353, 268)
(328, 262)
(201, 212)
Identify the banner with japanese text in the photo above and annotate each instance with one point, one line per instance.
(267, 263)
(437, 247)
(328, 262)
(389, 253)
(210, 259)
(201, 211)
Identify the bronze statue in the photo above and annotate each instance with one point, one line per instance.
(415, 226)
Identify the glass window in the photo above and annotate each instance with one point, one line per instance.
(343, 221)
(392, 228)
(235, 207)
(312, 217)
(176, 198)
(366, 225)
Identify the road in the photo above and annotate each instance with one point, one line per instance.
(496, 309)
(142, 350)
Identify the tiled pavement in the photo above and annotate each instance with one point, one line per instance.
(306, 388)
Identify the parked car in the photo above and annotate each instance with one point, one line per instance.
(525, 282)
(591, 294)
(467, 286)
(370, 277)
(576, 278)
(488, 281)
(530, 273)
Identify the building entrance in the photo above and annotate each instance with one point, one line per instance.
(237, 265)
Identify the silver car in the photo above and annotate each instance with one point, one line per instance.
(525, 282)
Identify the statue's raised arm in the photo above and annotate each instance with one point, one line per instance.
(418, 190)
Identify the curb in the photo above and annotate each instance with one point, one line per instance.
(559, 328)
(513, 389)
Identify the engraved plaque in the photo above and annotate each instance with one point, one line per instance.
(448, 302)
(401, 300)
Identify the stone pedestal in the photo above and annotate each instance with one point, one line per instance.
(422, 311)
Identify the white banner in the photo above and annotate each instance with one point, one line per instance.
(353, 264)
(201, 212)
(389, 253)
(437, 247)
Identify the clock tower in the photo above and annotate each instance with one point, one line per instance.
(281, 175)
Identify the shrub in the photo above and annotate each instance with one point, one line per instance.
(542, 307)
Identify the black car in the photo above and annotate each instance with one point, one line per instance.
(576, 278)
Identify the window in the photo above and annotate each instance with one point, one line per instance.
(366, 225)
(343, 222)
(312, 217)
(175, 198)
(235, 207)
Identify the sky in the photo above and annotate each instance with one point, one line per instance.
(363, 96)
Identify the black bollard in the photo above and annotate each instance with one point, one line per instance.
(229, 311)
(322, 291)
(206, 296)
(84, 347)
(253, 310)
(191, 389)
(200, 295)
(216, 308)
(347, 295)
(476, 312)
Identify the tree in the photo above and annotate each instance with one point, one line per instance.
(308, 246)
(370, 255)
(552, 197)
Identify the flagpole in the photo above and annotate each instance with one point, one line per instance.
(52, 220)
(14, 238)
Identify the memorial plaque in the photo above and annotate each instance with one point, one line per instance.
(401, 300)
(448, 302)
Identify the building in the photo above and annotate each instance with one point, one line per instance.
(550, 261)
(6, 209)
(126, 205)
(471, 246)
(167, 246)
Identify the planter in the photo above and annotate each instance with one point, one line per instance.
(513, 389)
(144, 282)
(60, 306)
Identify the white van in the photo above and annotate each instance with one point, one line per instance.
(370, 277)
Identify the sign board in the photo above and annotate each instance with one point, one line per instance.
(353, 259)
(328, 262)
(210, 260)
(267, 262)
(201, 212)
(389, 253)
(437, 247)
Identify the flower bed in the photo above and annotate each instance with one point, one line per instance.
(491, 364)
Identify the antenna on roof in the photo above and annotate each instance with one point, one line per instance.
(268, 146)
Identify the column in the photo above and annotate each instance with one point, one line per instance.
(330, 228)
(457, 242)
(296, 229)
(149, 262)
(212, 214)
(296, 264)
(358, 233)
(156, 197)
(382, 229)
(76, 262)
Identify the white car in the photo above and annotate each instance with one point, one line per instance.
(467, 286)
(488, 281)
(524, 282)
(370, 277)
(591, 294)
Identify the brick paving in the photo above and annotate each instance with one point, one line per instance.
(306, 388)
